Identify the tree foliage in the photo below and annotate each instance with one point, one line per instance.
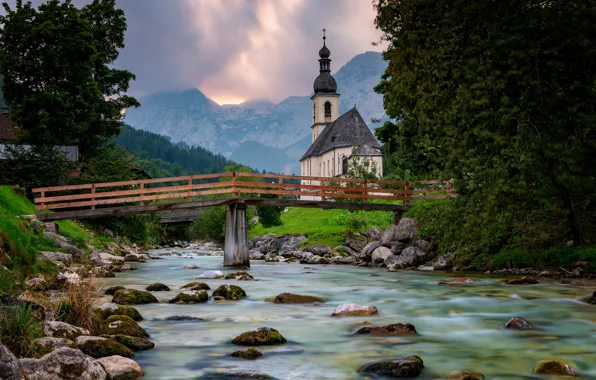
(499, 95)
(58, 76)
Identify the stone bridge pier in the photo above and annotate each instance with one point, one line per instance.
(236, 238)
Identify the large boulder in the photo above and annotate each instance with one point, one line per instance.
(229, 292)
(113, 289)
(158, 287)
(191, 296)
(98, 347)
(123, 325)
(121, 368)
(296, 298)
(108, 309)
(288, 243)
(404, 231)
(10, 368)
(212, 274)
(393, 329)
(397, 247)
(64, 364)
(555, 367)
(309, 258)
(319, 250)
(351, 309)
(356, 243)
(57, 329)
(133, 342)
(43, 346)
(373, 234)
(264, 336)
(410, 366)
(133, 297)
(255, 254)
(196, 286)
(57, 256)
(411, 256)
(379, 255)
(368, 249)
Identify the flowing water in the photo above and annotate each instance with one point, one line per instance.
(323, 347)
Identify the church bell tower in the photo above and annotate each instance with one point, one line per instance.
(325, 101)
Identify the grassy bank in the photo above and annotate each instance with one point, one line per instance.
(324, 226)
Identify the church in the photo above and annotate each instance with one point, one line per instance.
(336, 139)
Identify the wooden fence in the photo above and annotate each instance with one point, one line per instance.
(236, 185)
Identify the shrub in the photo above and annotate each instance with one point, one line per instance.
(78, 305)
(18, 329)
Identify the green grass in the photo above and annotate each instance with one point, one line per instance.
(322, 226)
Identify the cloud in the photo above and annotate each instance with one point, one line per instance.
(239, 49)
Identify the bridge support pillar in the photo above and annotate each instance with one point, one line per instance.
(236, 240)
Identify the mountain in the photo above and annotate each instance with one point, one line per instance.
(258, 133)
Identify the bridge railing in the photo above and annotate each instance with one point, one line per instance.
(236, 185)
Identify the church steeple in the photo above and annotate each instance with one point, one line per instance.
(325, 82)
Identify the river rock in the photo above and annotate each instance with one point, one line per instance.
(404, 231)
(356, 243)
(309, 258)
(296, 298)
(136, 257)
(113, 289)
(10, 368)
(123, 325)
(229, 292)
(370, 248)
(348, 260)
(351, 309)
(264, 336)
(555, 367)
(380, 254)
(98, 347)
(518, 323)
(443, 262)
(319, 249)
(105, 259)
(196, 286)
(212, 274)
(411, 256)
(255, 254)
(132, 342)
(393, 329)
(57, 256)
(466, 376)
(410, 366)
(191, 266)
(239, 276)
(64, 364)
(121, 368)
(37, 284)
(520, 281)
(191, 296)
(44, 346)
(100, 272)
(592, 300)
(251, 354)
(288, 243)
(184, 318)
(108, 309)
(456, 281)
(57, 329)
(158, 287)
(133, 297)
(68, 278)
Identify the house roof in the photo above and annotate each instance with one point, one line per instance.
(348, 130)
(7, 129)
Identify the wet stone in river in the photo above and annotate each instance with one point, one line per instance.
(351, 309)
(191, 296)
(393, 329)
(410, 366)
(296, 298)
(263, 336)
(518, 323)
(158, 287)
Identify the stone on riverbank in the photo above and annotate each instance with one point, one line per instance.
(466, 376)
(518, 323)
(379, 255)
(296, 298)
(10, 367)
(123, 325)
(196, 286)
(98, 347)
(108, 309)
(43, 346)
(191, 296)
(264, 336)
(393, 329)
(37, 284)
(229, 292)
(64, 364)
(404, 231)
(351, 309)
(251, 354)
(555, 367)
(121, 368)
(158, 287)
(57, 329)
(64, 258)
(132, 342)
(410, 366)
(113, 289)
(319, 249)
(212, 274)
(520, 281)
(133, 297)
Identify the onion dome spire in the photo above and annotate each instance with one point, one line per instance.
(325, 82)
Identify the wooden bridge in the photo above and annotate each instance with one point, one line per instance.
(235, 190)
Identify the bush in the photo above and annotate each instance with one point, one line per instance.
(269, 216)
(78, 305)
(18, 329)
(355, 223)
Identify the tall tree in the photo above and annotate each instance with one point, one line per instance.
(58, 79)
(500, 94)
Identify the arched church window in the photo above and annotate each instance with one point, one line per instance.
(328, 109)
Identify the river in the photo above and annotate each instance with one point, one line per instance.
(323, 347)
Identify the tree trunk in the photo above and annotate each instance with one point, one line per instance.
(578, 238)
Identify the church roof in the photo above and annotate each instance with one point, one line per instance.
(348, 130)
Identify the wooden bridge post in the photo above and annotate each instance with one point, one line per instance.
(236, 238)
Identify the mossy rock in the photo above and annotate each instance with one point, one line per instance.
(555, 367)
(296, 298)
(158, 287)
(250, 354)
(132, 342)
(108, 309)
(113, 289)
(229, 292)
(264, 336)
(196, 286)
(43, 346)
(239, 276)
(191, 296)
(124, 325)
(97, 347)
(133, 297)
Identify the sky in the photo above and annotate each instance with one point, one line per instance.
(236, 50)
